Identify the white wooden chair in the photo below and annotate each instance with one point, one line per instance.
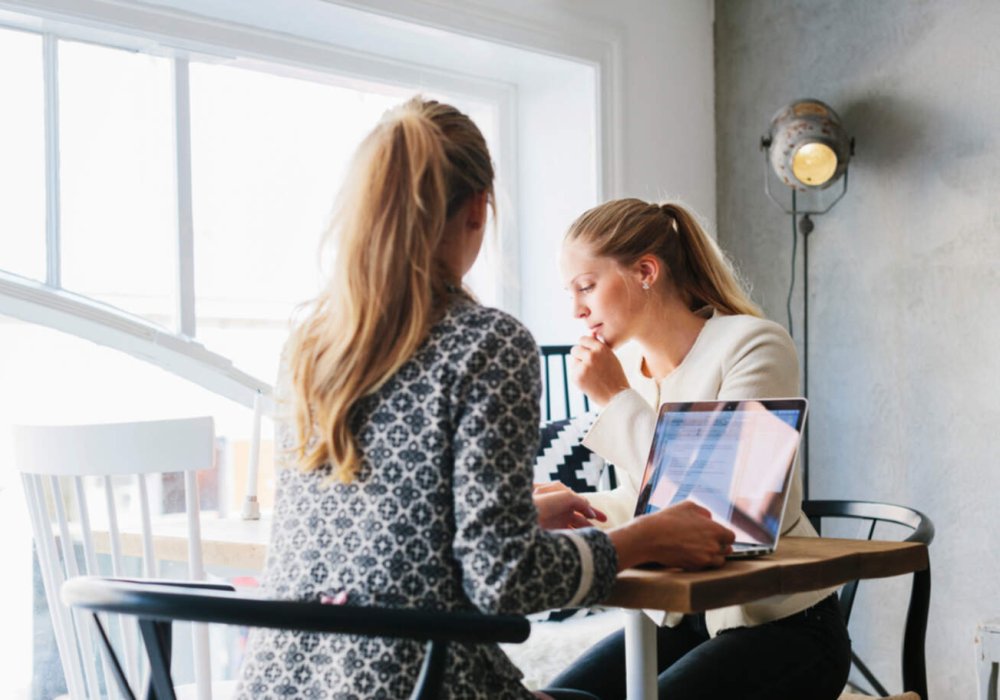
(63, 468)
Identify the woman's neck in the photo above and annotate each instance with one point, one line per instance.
(667, 338)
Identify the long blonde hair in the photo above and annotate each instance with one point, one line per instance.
(420, 164)
(627, 229)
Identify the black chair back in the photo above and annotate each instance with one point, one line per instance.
(157, 604)
(872, 514)
(556, 384)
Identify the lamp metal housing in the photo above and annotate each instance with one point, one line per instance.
(807, 145)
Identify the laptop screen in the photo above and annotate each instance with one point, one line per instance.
(734, 458)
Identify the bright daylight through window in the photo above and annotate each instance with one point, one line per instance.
(22, 155)
(266, 157)
(167, 170)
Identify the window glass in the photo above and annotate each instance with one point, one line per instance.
(117, 174)
(22, 155)
(268, 154)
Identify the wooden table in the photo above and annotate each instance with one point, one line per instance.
(800, 564)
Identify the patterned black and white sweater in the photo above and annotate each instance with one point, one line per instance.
(440, 517)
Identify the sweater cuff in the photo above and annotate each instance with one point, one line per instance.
(598, 566)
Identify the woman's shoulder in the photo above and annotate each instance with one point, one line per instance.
(483, 327)
(472, 315)
(741, 336)
(737, 327)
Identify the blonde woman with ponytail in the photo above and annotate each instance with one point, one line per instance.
(668, 320)
(407, 428)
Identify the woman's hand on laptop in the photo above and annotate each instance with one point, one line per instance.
(559, 507)
(682, 536)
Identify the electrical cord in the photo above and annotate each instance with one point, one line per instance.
(791, 284)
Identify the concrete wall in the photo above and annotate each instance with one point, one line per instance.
(904, 319)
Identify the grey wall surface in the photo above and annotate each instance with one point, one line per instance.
(904, 290)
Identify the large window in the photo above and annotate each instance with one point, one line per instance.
(22, 155)
(117, 219)
(265, 158)
(182, 200)
(164, 182)
(268, 156)
(101, 217)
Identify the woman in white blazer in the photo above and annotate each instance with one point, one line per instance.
(668, 320)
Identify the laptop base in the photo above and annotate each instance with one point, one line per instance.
(747, 551)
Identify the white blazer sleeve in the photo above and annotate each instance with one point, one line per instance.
(764, 365)
(622, 435)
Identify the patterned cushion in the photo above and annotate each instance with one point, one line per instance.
(562, 456)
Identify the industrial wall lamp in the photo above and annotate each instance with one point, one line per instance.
(809, 150)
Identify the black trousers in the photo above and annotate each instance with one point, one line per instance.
(806, 655)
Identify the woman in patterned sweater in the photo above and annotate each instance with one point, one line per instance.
(407, 427)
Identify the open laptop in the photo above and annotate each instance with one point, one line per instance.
(735, 458)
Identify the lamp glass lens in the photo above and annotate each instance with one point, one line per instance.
(814, 163)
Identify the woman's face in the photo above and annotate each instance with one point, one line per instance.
(606, 295)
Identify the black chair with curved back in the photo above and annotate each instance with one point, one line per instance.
(157, 604)
(556, 383)
(914, 666)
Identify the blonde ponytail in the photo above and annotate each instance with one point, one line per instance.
(416, 168)
(627, 229)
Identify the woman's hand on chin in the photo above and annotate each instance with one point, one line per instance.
(596, 370)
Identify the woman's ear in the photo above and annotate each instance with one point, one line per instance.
(475, 217)
(648, 269)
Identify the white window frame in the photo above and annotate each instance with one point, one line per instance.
(180, 36)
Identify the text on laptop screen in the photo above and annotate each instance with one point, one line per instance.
(734, 458)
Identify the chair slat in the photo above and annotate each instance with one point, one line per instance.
(552, 388)
(92, 568)
(52, 580)
(86, 532)
(114, 536)
(65, 540)
(547, 388)
(565, 374)
(196, 572)
(148, 551)
(129, 631)
(73, 570)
